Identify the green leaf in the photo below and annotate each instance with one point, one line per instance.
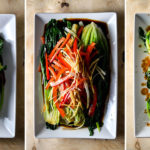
(148, 107)
(142, 34)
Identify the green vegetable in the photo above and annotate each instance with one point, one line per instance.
(148, 107)
(147, 75)
(77, 116)
(1, 45)
(148, 41)
(142, 34)
(54, 30)
(1, 93)
(145, 38)
(2, 75)
(93, 33)
(148, 83)
(98, 127)
(51, 114)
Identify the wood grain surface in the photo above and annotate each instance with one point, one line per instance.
(34, 6)
(132, 7)
(17, 7)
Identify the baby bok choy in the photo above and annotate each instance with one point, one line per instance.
(145, 37)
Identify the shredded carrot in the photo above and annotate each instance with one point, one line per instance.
(52, 71)
(56, 46)
(39, 68)
(62, 113)
(43, 39)
(60, 58)
(66, 40)
(58, 64)
(47, 71)
(56, 67)
(63, 44)
(60, 73)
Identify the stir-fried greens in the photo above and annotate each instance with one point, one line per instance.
(2, 76)
(145, 37)
(75, 68)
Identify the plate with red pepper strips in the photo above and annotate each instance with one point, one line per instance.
(75, 70)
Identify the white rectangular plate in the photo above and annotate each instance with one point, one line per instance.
(108, 131)
(8, 112)
(141, 130)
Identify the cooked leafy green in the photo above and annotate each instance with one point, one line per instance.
(93, 33)
(2, 76)
(148, 107)
(142, 34)
(94, 43)
(145, 37)
(54, 30)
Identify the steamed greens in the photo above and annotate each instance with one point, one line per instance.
(2, 76)
(74, 63)
(145, 37)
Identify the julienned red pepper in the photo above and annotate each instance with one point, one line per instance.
(93, 105)
(75, 46)
(79, 31)
(65, 99)
(47, 70)
(89, 51)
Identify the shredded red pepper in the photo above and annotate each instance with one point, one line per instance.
(93, 106)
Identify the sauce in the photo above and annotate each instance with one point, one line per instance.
(145, 64)
(143, 84)
(144, 91)
(140, 45)
(148, 28)
(145, 111)
(148, 124)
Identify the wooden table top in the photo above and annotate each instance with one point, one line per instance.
(132, 7)
(34, 6)
(17, 7)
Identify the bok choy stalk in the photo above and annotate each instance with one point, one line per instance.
(51, 113)
(93, 33)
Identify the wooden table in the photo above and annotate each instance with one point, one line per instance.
(132, 7)
(34, 6)
(17, 7)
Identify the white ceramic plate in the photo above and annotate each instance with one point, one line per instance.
(141, 130)
(108, 131)
(8, 112)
